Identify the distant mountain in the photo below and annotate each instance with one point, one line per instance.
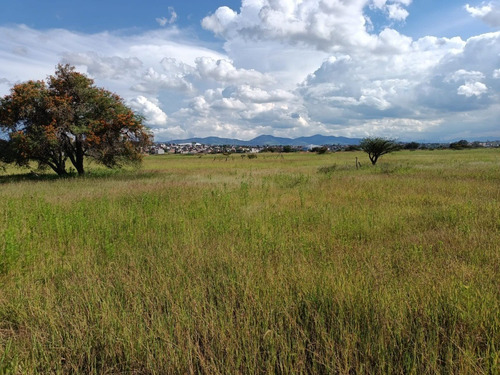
(206, 141)
(328, 140)
(269, 140)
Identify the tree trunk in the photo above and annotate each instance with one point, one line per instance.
(58, 167)
(79, 155)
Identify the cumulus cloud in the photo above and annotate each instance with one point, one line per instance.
(283, 67)
(245, 111)
(464, 75)
(462, 81)
(326, 25)
(182, 77)
(426, 88)
(396, 12)
(488, 12)
(257, 95)
(250, 102)
(150, 110)
(472, 89)
(220, 21)
(153, 81)
(376, 85)
(223, 70)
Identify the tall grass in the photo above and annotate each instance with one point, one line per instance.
(269, 265)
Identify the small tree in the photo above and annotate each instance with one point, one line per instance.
(69, 118)
(376, 147)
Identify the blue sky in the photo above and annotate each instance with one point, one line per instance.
(440, 18)
(412, 70)
(100, 15)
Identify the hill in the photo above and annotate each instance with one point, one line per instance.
(270, 140)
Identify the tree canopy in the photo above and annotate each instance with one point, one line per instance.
(460, 145)
(69, 118)
(376, 147)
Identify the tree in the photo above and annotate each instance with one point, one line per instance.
(376, 147)
(412, 146)
(70, 118)
(460, 145)
(7, 155)
(320, 150)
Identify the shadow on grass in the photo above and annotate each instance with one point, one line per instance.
(118, 175)
(30, 176)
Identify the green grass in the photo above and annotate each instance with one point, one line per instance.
(300, 264)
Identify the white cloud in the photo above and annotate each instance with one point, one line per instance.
(288, 68)
(464, 75)
(488, 12)
(103, 55)
(229, 103)
(252, 94)
(463, 82)
(391, 41)
(396, 12)
(326, 25)
(220, 21)
(152, 82)
(113, 67)
(223, 70)
(150, 110)
(387, 127)
(472, 89)
(163, 21)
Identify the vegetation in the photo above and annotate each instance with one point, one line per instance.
(69, 118)
(320, 150)
(411, 146)
(192, 265)
(459, 145)
(376, 147)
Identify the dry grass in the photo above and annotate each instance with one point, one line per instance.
(270, 265)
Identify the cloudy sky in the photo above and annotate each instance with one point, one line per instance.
(421, 70)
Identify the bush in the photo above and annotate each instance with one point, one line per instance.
(320, 150)
(352, 148)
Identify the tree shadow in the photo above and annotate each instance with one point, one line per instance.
(118, 175)
(30, 176)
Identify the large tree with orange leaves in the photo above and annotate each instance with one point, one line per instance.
(69, 118)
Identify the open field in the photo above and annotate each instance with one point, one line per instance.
(293, 264)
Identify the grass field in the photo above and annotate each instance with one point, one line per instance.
(293, 264)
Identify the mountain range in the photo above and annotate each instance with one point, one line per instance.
(269, 140)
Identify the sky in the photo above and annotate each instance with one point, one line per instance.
(410, 70)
